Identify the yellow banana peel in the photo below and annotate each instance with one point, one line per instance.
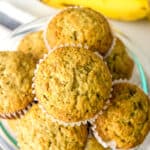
(149, 11)
(126, 10)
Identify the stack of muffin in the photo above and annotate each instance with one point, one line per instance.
(73, 99)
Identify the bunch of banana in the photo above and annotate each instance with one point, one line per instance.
(127, 10)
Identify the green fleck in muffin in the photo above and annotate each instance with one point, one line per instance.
(127, 120)
(72, 84)
(36, 132)
(80, 26)
(92, 144)
(16, 72)
(119, 63)
(33, 43)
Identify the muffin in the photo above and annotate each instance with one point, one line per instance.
(80, 26)
(127, 120)
(16, 72)
(92, 144)
(35, 131)
(119, 62)
(72, 84)
(33, 43)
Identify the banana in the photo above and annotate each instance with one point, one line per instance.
(148, 16)
(53, 3)
(126, 10)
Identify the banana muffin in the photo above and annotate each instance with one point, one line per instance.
(92, 144)
(16, 72)
(127, 120)
(72, 84)
(35, 131)
(33, 43)
(80, 26)
(119, 62)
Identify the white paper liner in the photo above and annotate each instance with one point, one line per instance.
(60, 122)
(19, 113)
(79, 123)
(111, 144)
(135, 76)
(121, 81)
(135, 71)
(90, 135)
(99, 55)
(127, 81)
(107, 104)
(112, 47)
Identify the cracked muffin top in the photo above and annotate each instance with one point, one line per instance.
(35, 131)
(33, 43)
(119, 62)
(127, 120)
(80, 26)
(72, 84)
(16, 72)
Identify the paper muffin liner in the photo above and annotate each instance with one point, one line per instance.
(65, 124)
(127, 81)
(135, 76)
(109, 144)
(111, 47)
(132, 78)
(101, 57)
(120, 81)
(19, 113)
(78, 123)
(90, 135)
(72, 124)
(112, 144)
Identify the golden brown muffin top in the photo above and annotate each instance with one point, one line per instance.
(119, 62)
(33, 43)
(35, 131)
(16, 72)
(80, 26)
(127, 120)
(72, 84)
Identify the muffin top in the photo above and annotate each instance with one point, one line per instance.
(33, 43)
(127, 120)
(16, 72)
(72, 84)
(119, 62)
(80, 26)
(35, 131)
(92, 144)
